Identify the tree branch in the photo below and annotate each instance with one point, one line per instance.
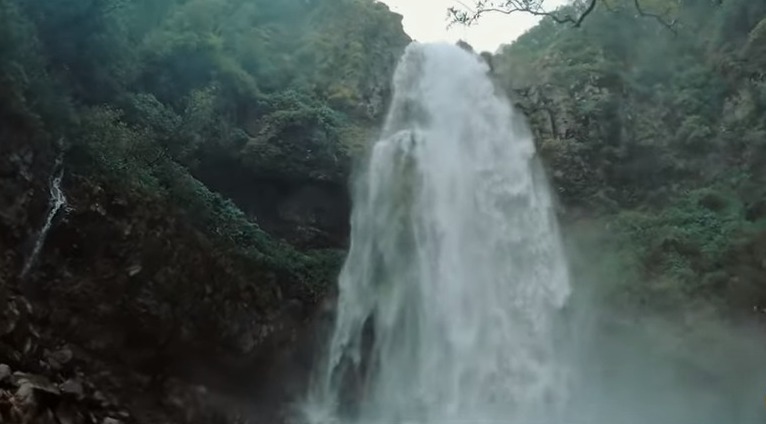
(535, 8)
(669, 25)
(525, 6)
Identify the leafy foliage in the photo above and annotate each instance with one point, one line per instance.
(145, 91)
(658, 135)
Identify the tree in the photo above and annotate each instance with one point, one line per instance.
(573, 14)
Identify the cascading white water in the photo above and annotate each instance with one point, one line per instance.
(56, 201)
(455, 274)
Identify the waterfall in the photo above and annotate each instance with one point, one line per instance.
(455, 275)
(56, 202)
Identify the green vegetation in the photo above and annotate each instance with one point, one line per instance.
(143, 92)
(654, 134)
(655, 140)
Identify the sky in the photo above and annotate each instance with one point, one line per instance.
(426, 20)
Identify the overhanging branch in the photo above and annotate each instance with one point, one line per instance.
(669, 25)
(525, 6)
(534, 7)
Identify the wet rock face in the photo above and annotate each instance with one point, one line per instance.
(17, 336)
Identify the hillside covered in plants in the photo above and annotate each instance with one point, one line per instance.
(655, 141)
(204, 147)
